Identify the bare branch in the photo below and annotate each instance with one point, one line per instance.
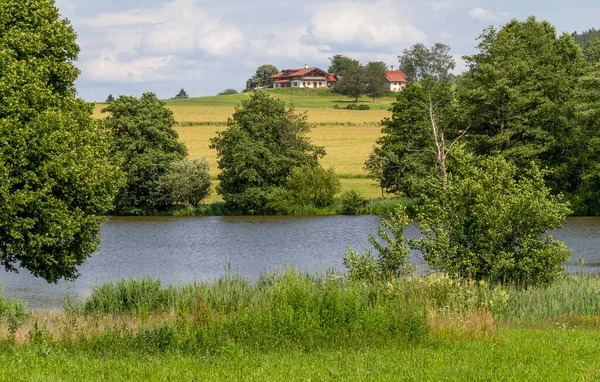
(457, 138)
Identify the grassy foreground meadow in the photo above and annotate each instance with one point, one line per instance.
(347, 135)
(297, 326)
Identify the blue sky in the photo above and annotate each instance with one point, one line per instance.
(205, 46)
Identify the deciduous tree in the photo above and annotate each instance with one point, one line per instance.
(375, 79)
(145, 143)
(419, 62)
(264, 141)
(56, 179)
(262, 77)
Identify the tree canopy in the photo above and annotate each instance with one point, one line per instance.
(263, 142)
(262, 77)
(145, 144)
(340, 64)
(56, 179)
(353, 82)
(517, 95)
(182, 94)
(375, 79)
(418, 62)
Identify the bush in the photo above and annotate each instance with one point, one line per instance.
(351, 201)
(187, 181)
(491, 224)
(392, 257)
(228, 91)
(363, 107)
(305, 186)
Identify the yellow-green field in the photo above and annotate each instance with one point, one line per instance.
(347, 135)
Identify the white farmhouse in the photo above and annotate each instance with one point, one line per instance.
(303, 78)
(396, 80)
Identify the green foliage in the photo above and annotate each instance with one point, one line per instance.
(262, 77)
(145, 144)
(517, 95)
(392, 256)
(353, 82)
(585, 40)
(110, 98)
(418, 62)
(351, 202)
(306, 185)
(182, 94)
(56, 181)
(263, 143)
(228, 91)
(403, 160)
(341, 64)
(375, 79)
(490, 224)
(187, 181)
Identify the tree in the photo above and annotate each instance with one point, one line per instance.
(340, 64)
(187, 181)
(586, 38)
(146, 145)
(375, 79)
(419, 62)
(490, 223)
(110, 98)
(262, 77)
(56, 181)
(264, 141)
(352, 83)
(517, 96)
(407, 155)
(182, 94)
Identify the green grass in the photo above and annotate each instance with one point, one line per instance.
(301, 98)
(527, 355)
(297, 326)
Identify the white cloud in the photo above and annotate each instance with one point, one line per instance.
(108, 68)
(484, 15)
(285, 43)
(177, 27)
(372, 25)
(437, 6)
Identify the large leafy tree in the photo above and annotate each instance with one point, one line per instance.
(340, 64)
(56, 180)
(353, 82)
(418, 62)
(375, 79)
(263, 142)
(145, 144)
(262, 77)
(404, 159)
(516, 95)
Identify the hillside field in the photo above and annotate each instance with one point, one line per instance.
(347, 135)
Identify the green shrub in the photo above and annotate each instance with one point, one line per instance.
(228, 91)
(305, 186)
(490, 224)
(363, 107)
(351, 202)
(392, 256)
(187, 181)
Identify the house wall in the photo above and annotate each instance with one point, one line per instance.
(395, 86)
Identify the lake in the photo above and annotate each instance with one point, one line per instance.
(180, 250)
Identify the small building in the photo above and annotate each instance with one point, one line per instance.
(303, 78)
(396, 80)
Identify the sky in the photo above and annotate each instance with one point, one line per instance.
(205, 46)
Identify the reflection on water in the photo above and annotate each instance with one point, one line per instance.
(179, 250)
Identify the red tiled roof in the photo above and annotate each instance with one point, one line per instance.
(294, 72)
(396, 76)
(281, 81)
(331, 78)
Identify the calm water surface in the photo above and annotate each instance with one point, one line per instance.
(179, 250)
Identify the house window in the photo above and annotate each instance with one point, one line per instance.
(314, 84)
(303, 84)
